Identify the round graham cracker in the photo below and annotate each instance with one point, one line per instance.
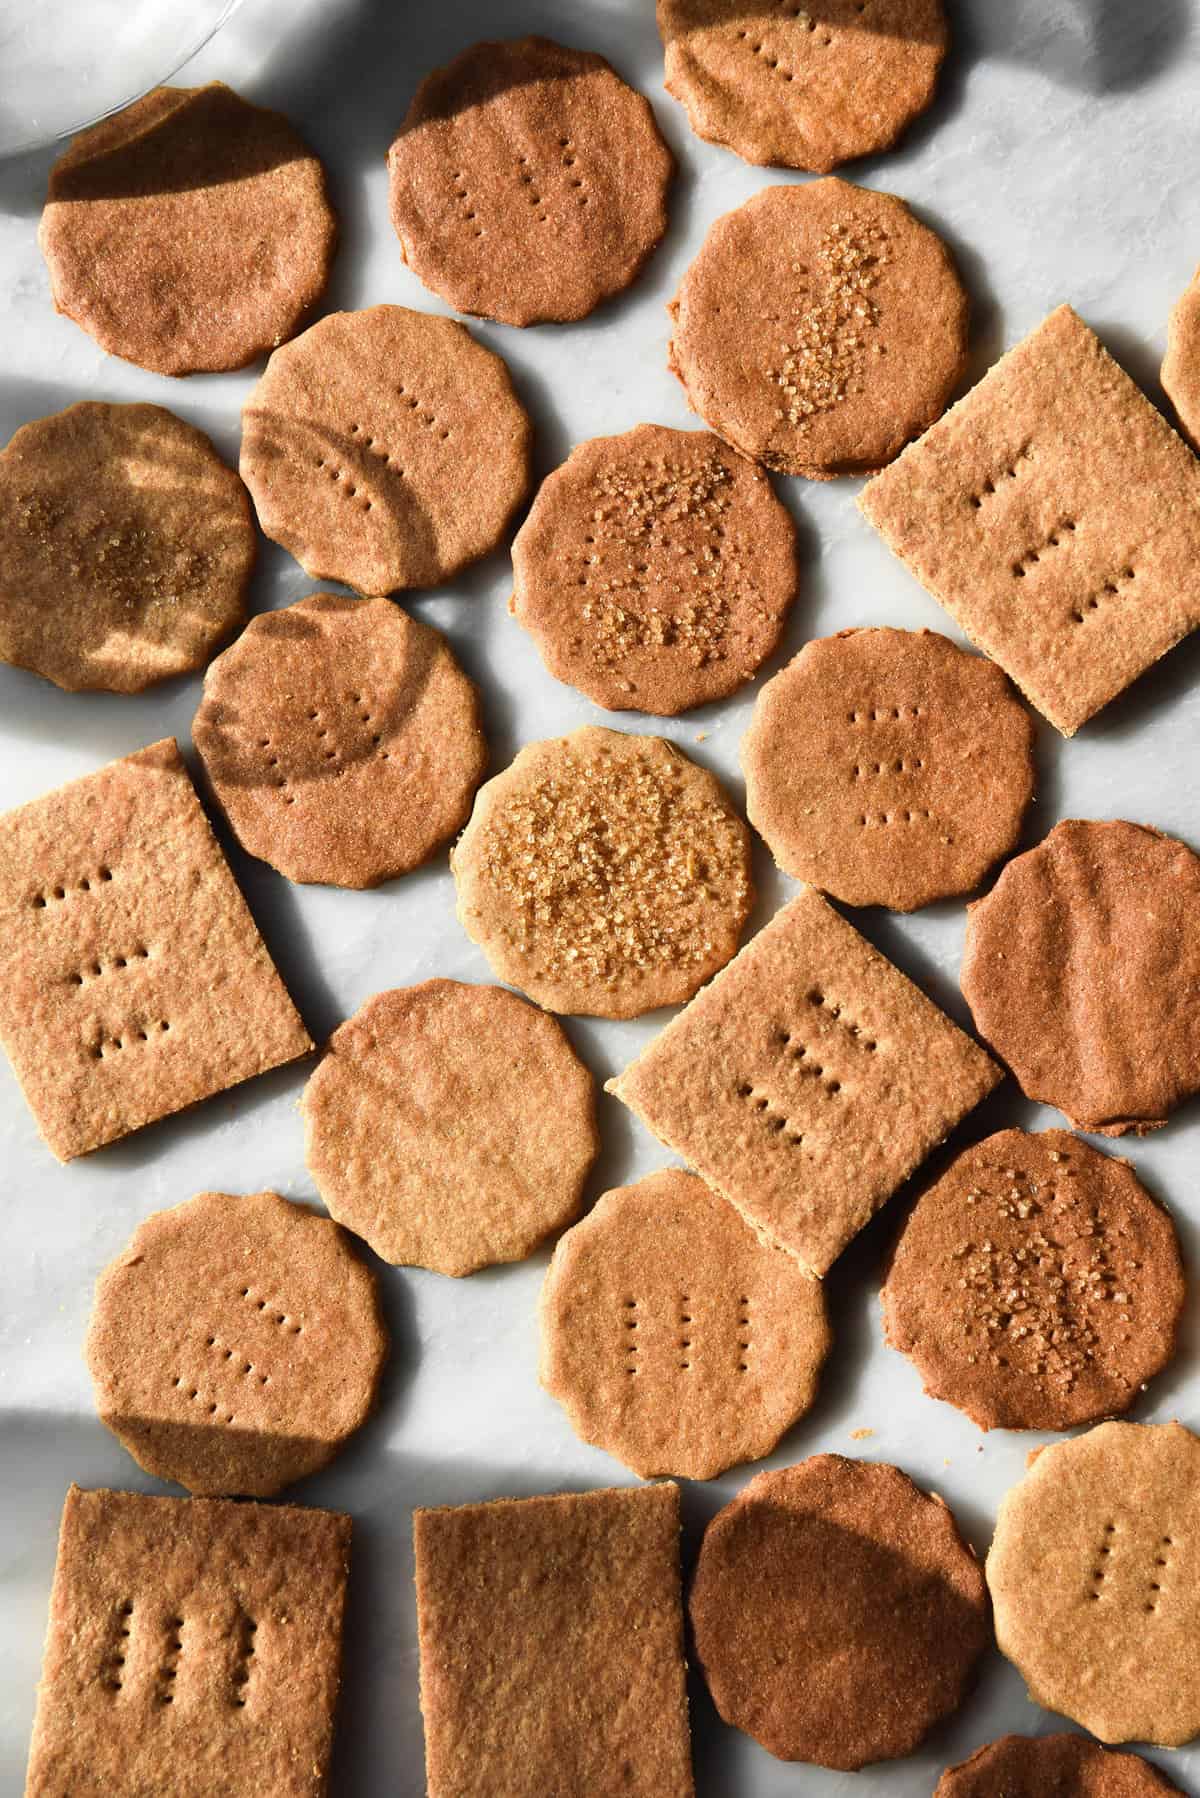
(1061, 1766)
(385, 449)
(655, 570)
(1094, 1572)
(126, 546)
(1081, 966)
(673, 1337)
(528, 182)
(1036, 1285)
(1181, 364)
(604, 873)
(820, 329)
(342, 740)
(888, 767)
(189, 232)
(782, 85)
(451, 1126)
(235, 1344)
(837, 1613)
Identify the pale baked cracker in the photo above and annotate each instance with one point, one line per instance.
(807, 84)
(133, 980)
(1066, 1766)
(528, 181)
(385, 448)
(193, 1649)
(673, 1337)
(655, 570)
(126, 546)
(807, 1081)
(1181, 364)
(451, 1126)
(1094, 1572)
(235, 1343)
(342, 740)
(1056, 516)
(551, 1639)
(190, 231)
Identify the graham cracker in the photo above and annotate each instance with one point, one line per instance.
(193, 1649)
(807, 1081)
(133, 980)
(1068, 1766)
(1056, 516)
(551, 1636)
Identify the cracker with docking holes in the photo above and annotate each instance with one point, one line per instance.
(802, 86)
(1094, 1572)
(126, 546)
(807, 1081)
(673, 1337)
(133, 980)
(190, 231)
(888, 767)
(451, 1126)
(342, 740)
(1036, 1284)
(1066, 1766)
(1082, 970)
(551, 1639)
(235, 1344)
(655, 570)
(528, 182)
(604, 873)
(385, 449)
(194, 1646)
(1056, 516)
(820, 328)
(822, 1587)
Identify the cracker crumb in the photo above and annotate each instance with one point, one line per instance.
(862, 1435)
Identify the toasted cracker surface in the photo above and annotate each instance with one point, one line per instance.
(193, 1648)
(1067, 1766)
(133, 980)
(1056, 516)
(551, 1637)
(807, 1081)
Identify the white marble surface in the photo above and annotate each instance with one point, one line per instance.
(1059, 162)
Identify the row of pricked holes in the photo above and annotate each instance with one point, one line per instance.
(817, 998)
(168, 1671)
(921, 815)
(107, 1044)
(799, 1052)
(460, 193)
(280, 1317)
(111, 1677)
(84, 885)
(1035, 555)
(95, 969)
(863, 771)
(774, 1120)
(1110, 1530)
(1006, 474)
(884, 714)
(1110, 588)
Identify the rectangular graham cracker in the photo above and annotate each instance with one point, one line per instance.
(1056, 516)
(133, 980)
(551, 1635)
(194, 1647)
(807, 1081)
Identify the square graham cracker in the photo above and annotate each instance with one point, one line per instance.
(194, 1648)
(807, 1081)
(133, 980)
(1056, 516)
(551, 1635)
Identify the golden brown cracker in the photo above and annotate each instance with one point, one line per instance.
(194, 1647)
(1181, 364)
(190, 231)
(1056, 517)
(126, 546)
(820, 328)
(235, 1344)
(451, 1126)
(1080, 968)
(604, 873)
(1036, 1284)
(1066, 1766)
(1094, 1572)
(342, 740)
(133, 980)
(888, 767)
(551, 1638)
(385, 449)
(655, 570)
(824, 1587)
(673, 1337)
(528, 182)
(807, 1081)
(805, 86)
